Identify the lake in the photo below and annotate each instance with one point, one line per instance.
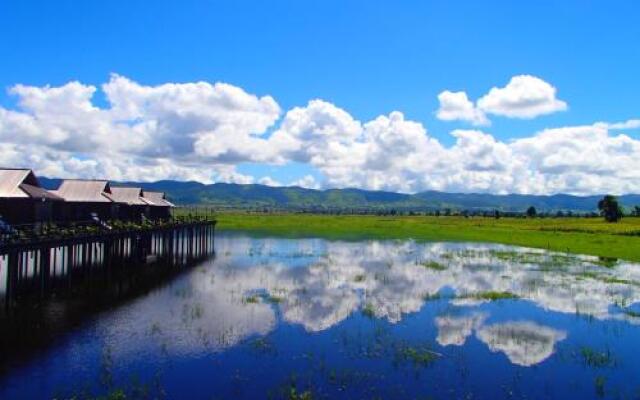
(313, 319)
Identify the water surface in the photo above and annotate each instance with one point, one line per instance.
(310, 318)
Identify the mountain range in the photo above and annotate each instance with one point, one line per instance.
(254, 196)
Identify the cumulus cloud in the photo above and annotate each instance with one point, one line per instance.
(630, 124)
(457, 106)
(269, 181)
(202, 131)
(525, 97)
(165, 131)
(307, 181)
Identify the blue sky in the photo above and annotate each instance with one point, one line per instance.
(368, 58)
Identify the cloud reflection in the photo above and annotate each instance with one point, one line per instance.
(317, 284)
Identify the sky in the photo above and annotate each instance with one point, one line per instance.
(459, 96)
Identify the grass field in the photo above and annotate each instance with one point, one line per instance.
(591, 236)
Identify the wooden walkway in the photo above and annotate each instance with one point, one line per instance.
(41, 265)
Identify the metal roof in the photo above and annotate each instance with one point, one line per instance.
(84, 191)
(128, 195)
(157, 199)
(11, 180)
(36, 192)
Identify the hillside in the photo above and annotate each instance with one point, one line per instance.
(226, 195)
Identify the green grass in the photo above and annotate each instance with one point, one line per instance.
(590, 236)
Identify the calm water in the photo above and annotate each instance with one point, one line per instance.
(309, 318)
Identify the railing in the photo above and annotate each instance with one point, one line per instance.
(27, 233)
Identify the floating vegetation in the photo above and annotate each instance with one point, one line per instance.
(262, 345)
(419, 356)
(433, 265)
(253, 299)
(197, 311)
(368, 311)
(611, 279)
(596, 359)
(155, 328)
(606, 262)
(494, 295)
(359, 278)
(275, 299)
(599, 383)
(432, 297)
(631, 313)
(294, 395)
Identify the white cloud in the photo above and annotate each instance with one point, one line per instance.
(269, 181)
(525, 96)
(307, 181)
(181, 131)
(630, 124)
(457, 106)
(202, 131)
(524, 343)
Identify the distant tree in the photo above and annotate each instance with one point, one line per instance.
(532, 212)
(636, 211)
(496, 214)
(447, 212)
(610, 208)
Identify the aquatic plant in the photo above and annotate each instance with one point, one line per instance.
(599, 383)
(262, 345)
(420, 356)
(433, 265)
(494, 295)
(294, 395)
(274, 299)
(631, 313)
(253, 299)
(368, 311)
(596, 359)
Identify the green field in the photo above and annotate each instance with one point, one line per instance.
(576, 235)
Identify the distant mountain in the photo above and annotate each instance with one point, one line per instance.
(229, 195)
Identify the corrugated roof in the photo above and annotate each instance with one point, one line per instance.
(84, 191)
(128, 195)
(38, 192)
(157, 199)
(11, 179)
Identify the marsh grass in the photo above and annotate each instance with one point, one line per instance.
(494, 295)
(596, 359)
(273, 299)
(369, 311)
(599, 385)
(253, 299)
(419, 356)
(433, 265)
(591, 236)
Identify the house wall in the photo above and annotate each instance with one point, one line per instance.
(26, 211)
(81, 211)
(17, 211)
(132, 213)
(160, 213)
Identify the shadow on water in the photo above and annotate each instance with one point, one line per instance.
(78, 281)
